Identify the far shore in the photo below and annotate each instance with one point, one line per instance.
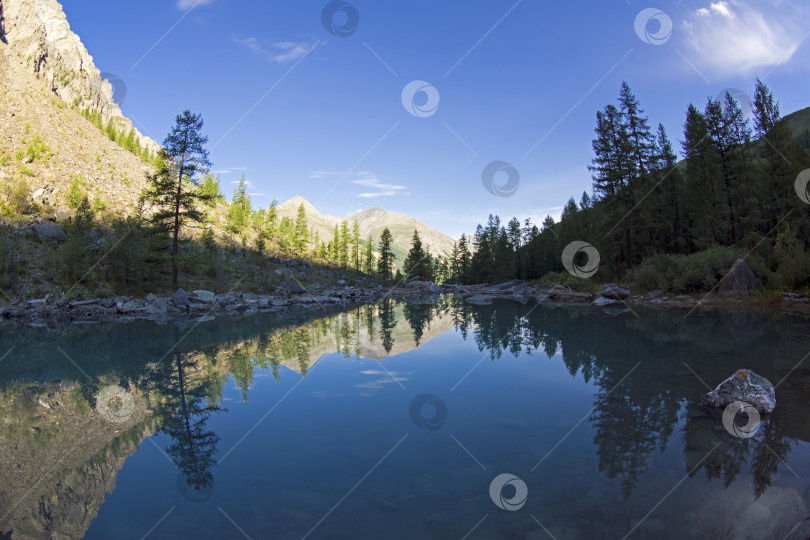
(203, 305)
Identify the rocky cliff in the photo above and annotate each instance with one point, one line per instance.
(39, 33)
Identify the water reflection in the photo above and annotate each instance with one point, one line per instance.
(647, 375)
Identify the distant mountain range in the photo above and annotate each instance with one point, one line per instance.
(372, 222)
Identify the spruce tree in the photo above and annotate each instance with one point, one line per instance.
(385, 264)
(417, 264)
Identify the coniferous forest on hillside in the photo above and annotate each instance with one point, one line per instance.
(661, 222)
(665, 213)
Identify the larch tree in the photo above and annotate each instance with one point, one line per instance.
(173, 188)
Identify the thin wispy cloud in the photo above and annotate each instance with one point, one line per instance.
(379, 188)
(280, 52)
(739, 37)
(317, 175)
(188, 4)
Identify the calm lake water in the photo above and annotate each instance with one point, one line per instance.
(400, 421)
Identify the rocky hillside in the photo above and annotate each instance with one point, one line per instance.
(372, 222)
(46, 146)
(38, 32)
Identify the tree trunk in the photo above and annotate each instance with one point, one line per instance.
(176, 239)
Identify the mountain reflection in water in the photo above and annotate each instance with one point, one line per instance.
(642, 378)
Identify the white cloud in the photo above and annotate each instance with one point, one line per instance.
(738, 37)
(191, 4)
(317, 175)
(381, 190)
(281, 52)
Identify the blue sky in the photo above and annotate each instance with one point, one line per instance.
(302, 111)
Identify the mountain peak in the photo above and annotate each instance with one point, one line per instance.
(372, 221)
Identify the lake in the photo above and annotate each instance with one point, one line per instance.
(397, 420)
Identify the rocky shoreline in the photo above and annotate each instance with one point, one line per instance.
(203, 305)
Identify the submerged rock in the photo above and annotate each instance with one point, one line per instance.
(480, 300)
(745, 386)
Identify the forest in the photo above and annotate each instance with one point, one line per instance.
(664, 223)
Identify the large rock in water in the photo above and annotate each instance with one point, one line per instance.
(613, 291)
(745, 386)
(740, 279)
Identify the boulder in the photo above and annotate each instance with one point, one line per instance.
(522, 290)
(423, 286)
(290, 287)
(739, 280)
(613, 291)
(204, 296)
(745, 386)
(180, 298)
(50, 231)
(602, 301)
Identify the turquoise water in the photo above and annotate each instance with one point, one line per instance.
(393, 421)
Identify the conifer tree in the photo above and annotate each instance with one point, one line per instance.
(173, 187)
(385, 264)
(301, 231)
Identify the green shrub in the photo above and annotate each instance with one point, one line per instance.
(76, 255)
(19, 197)
(76, 192)
(698, 272)
(792, 258)
(568, 280)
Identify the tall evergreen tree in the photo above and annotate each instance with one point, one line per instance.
(301, 230)
(240, 210)
(418, 263)
(385, 264)
(368, 258)
(173, 186)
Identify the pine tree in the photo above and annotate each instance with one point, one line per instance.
(385, 264)
(172, 187)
